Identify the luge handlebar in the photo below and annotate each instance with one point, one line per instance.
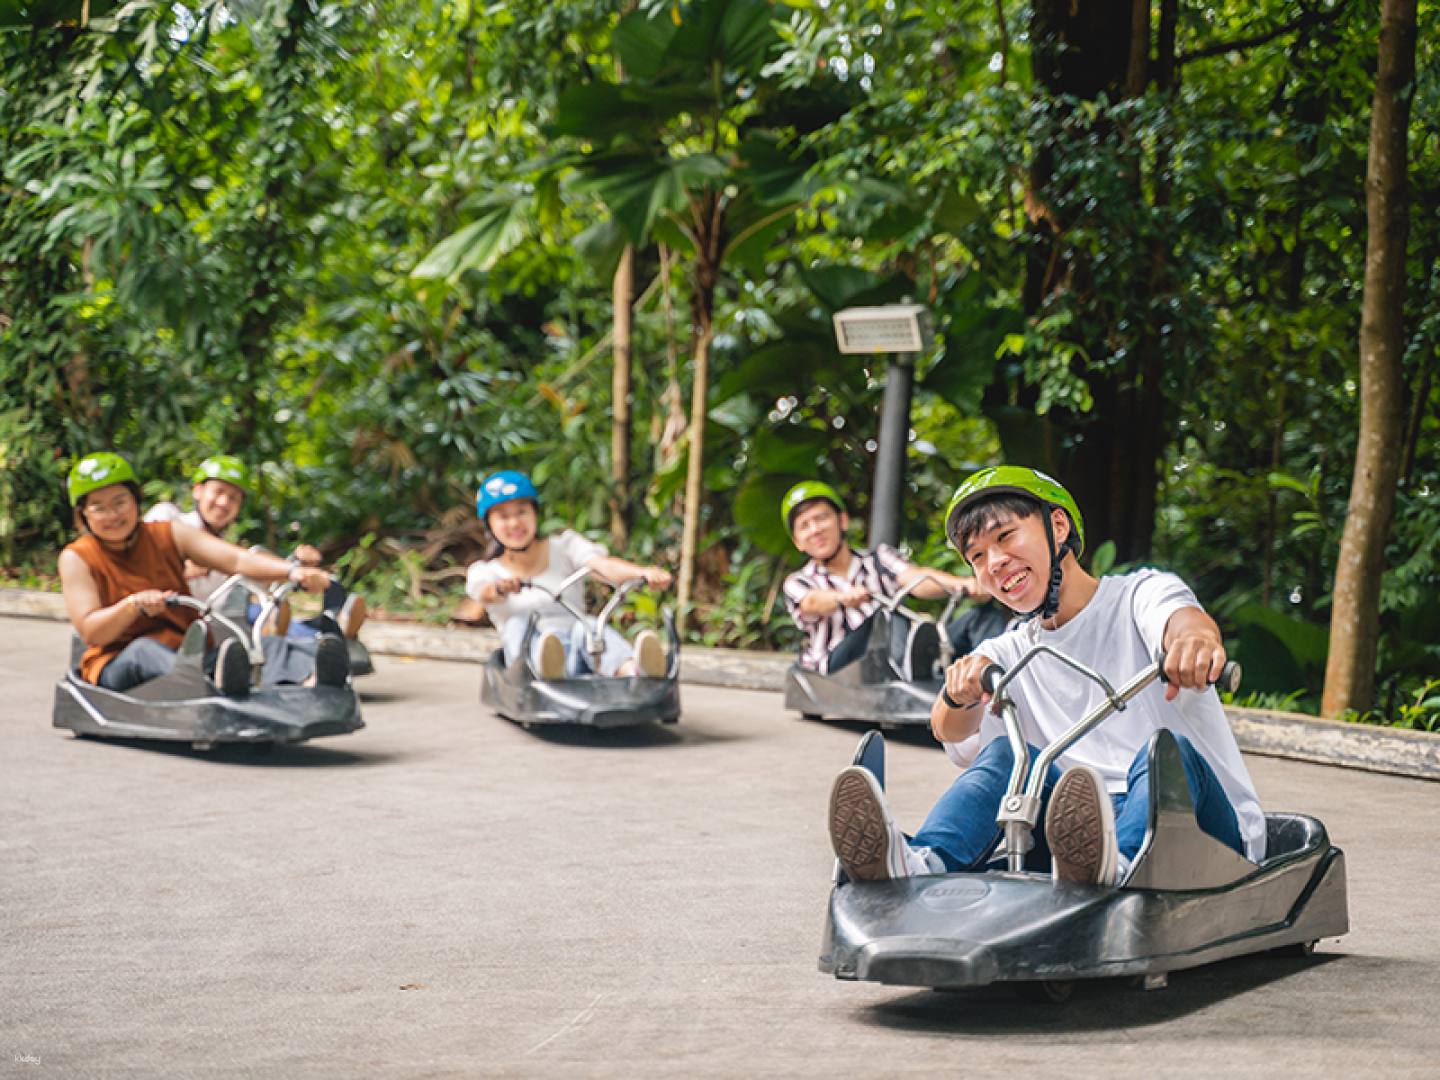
(1229, 680)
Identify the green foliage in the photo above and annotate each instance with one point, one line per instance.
(1421, 713)
(369, 248)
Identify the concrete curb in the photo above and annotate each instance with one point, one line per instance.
(1394, 751)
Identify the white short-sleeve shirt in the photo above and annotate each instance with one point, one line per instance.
(204, 586)
(1117, 634)
(568, 551)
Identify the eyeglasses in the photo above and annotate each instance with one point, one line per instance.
(110, 509)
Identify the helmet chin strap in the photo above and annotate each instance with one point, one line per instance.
(1051, 604)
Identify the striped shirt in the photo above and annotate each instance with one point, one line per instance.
(875, 570)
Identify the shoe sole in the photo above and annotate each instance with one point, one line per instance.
(858, 829)
(1077, 825)
(649, 656)
(332, 663)
(233, 670)
(552, 659)
(352, 616)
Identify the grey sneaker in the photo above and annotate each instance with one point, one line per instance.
(332, 661)
(650, 655)
(864, 835)
(1080, 829)
(232, 669)
(552, 658)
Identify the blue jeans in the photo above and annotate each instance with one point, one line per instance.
(577, 659)
(965, 632)
(853, 645)
(962, 831)
(286, 661)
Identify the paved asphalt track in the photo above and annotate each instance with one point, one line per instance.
(444, 894)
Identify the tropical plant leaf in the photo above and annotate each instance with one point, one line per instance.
(478, 245)
(736, 35)
(643, 43)
(757, 510)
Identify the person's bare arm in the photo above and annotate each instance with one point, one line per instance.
(933, 583)
(613, 568)
(96, 623)
(216, 554)
(828, 601)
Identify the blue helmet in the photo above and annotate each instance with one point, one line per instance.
(504, 487)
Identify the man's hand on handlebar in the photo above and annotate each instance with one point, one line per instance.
(854, 596)
(972, 588)
(310, 578)
(656, 577)
(308, 555)
(954, 719)
(962, 681)
(1192, 662)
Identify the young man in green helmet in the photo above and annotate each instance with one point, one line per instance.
(219, 488)
(1022, 533)
(832, 597)
(119, 576)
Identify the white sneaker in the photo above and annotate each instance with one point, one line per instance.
(650, 655)
(352, 615)
(1080, 829)
(922, 861)
(552, 658)
(863, 833)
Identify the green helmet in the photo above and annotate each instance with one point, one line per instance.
(803, 492)
(1013, 480)
(223, 467)
(1018, 480)
(95, 471)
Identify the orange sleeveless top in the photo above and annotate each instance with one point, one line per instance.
(152, 563)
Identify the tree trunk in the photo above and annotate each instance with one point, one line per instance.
(695, 465)
(1355, 615)
(624, 300)
(708, 240)
(1137, 76)
(1110, 457)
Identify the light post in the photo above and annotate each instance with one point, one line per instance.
(904, 331)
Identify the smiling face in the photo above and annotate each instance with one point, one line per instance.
(219, 503)
(513, 523)
(819, 530)
(1011, 557)
(111, 513)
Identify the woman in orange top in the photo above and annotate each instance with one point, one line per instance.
(117, 578)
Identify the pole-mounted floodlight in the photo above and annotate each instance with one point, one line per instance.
(904, 331)
(894, 328)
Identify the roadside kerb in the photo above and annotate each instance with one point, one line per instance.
(1395, 751)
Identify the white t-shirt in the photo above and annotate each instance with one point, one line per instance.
(568, 552)
(202, 587)
(1117, 634)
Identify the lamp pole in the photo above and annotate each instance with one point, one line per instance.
(904, 331)
(892, 446)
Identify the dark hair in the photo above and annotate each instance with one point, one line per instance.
(983, 513)
(800, 507)
(495, 549)
(79, 508)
